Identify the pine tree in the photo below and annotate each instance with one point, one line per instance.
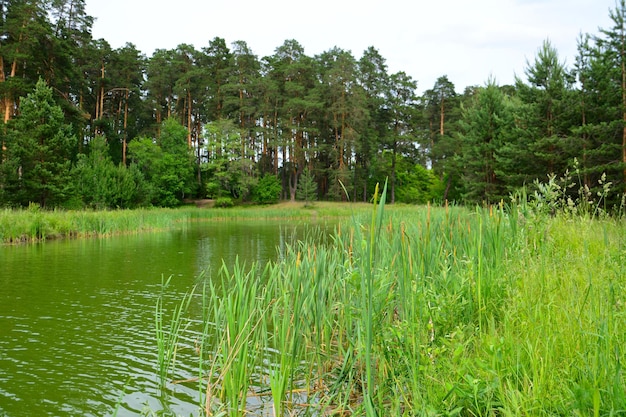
(373, 79)
(24, 48)
(401, 101)
(307, 188)
(602, 72)
(296, 99)
(486, 126)
(125, 109)
(40, 146)
(544, 145)
(442, 111)
(345, 112)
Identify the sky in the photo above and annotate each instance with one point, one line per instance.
(470, 41)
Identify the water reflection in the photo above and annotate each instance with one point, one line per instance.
(77, 316)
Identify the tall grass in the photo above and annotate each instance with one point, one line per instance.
(34, 224)
(168, 332)
(425, 311)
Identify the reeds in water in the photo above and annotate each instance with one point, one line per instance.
(425, 311)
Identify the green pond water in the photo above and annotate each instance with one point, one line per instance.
(77, 331)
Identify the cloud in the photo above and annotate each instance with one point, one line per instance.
(467, 40)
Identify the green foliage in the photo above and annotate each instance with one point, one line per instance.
(40, 148)
(601, 72)
(212, 189)
(268, 190)
(542, 146)
(307, 187)
(224, 202)
(487, 125)
(241, 116)
(228, 165)
(567, 196)
(101, 185)
(416, 184)
(339, 178)
(168, 166)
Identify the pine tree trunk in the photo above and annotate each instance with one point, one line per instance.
(584, 123)
(125, 129)
(441, 117)
(4, 103)
(100, 102)
(337, 143)
(343, 139)
(2, 79)
(293, 185)
(189, 119)
(275, 143)
(8, 105)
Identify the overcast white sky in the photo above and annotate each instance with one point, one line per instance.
(467, 40)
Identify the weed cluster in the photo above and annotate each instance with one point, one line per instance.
(570, 195)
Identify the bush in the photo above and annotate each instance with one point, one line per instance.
(268, 190)
(212, 189)
(100, 184)
(417, 185)
(224, 202)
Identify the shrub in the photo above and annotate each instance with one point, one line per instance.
(224, 202)
(417, 185)
(212, 189)
(268, 190)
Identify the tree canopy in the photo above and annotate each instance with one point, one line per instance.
(213, 122)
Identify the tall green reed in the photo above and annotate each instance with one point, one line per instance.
(168, 334)
(286, 336)
(367, 297)
(427, 311)
(238, 327)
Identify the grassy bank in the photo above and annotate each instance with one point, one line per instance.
(34, 224)
(430, 312)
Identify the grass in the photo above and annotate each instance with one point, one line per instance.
(34, 224)
(425, 311)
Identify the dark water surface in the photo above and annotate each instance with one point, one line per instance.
(77, 331)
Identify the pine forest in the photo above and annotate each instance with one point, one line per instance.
(89, 126)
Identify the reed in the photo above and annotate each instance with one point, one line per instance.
(168, 332)
(286, 339)
(426, 311)
(237, 315)
(34, 224)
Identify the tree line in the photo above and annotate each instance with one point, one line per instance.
(87, 125)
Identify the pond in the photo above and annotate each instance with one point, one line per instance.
(77, 335)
